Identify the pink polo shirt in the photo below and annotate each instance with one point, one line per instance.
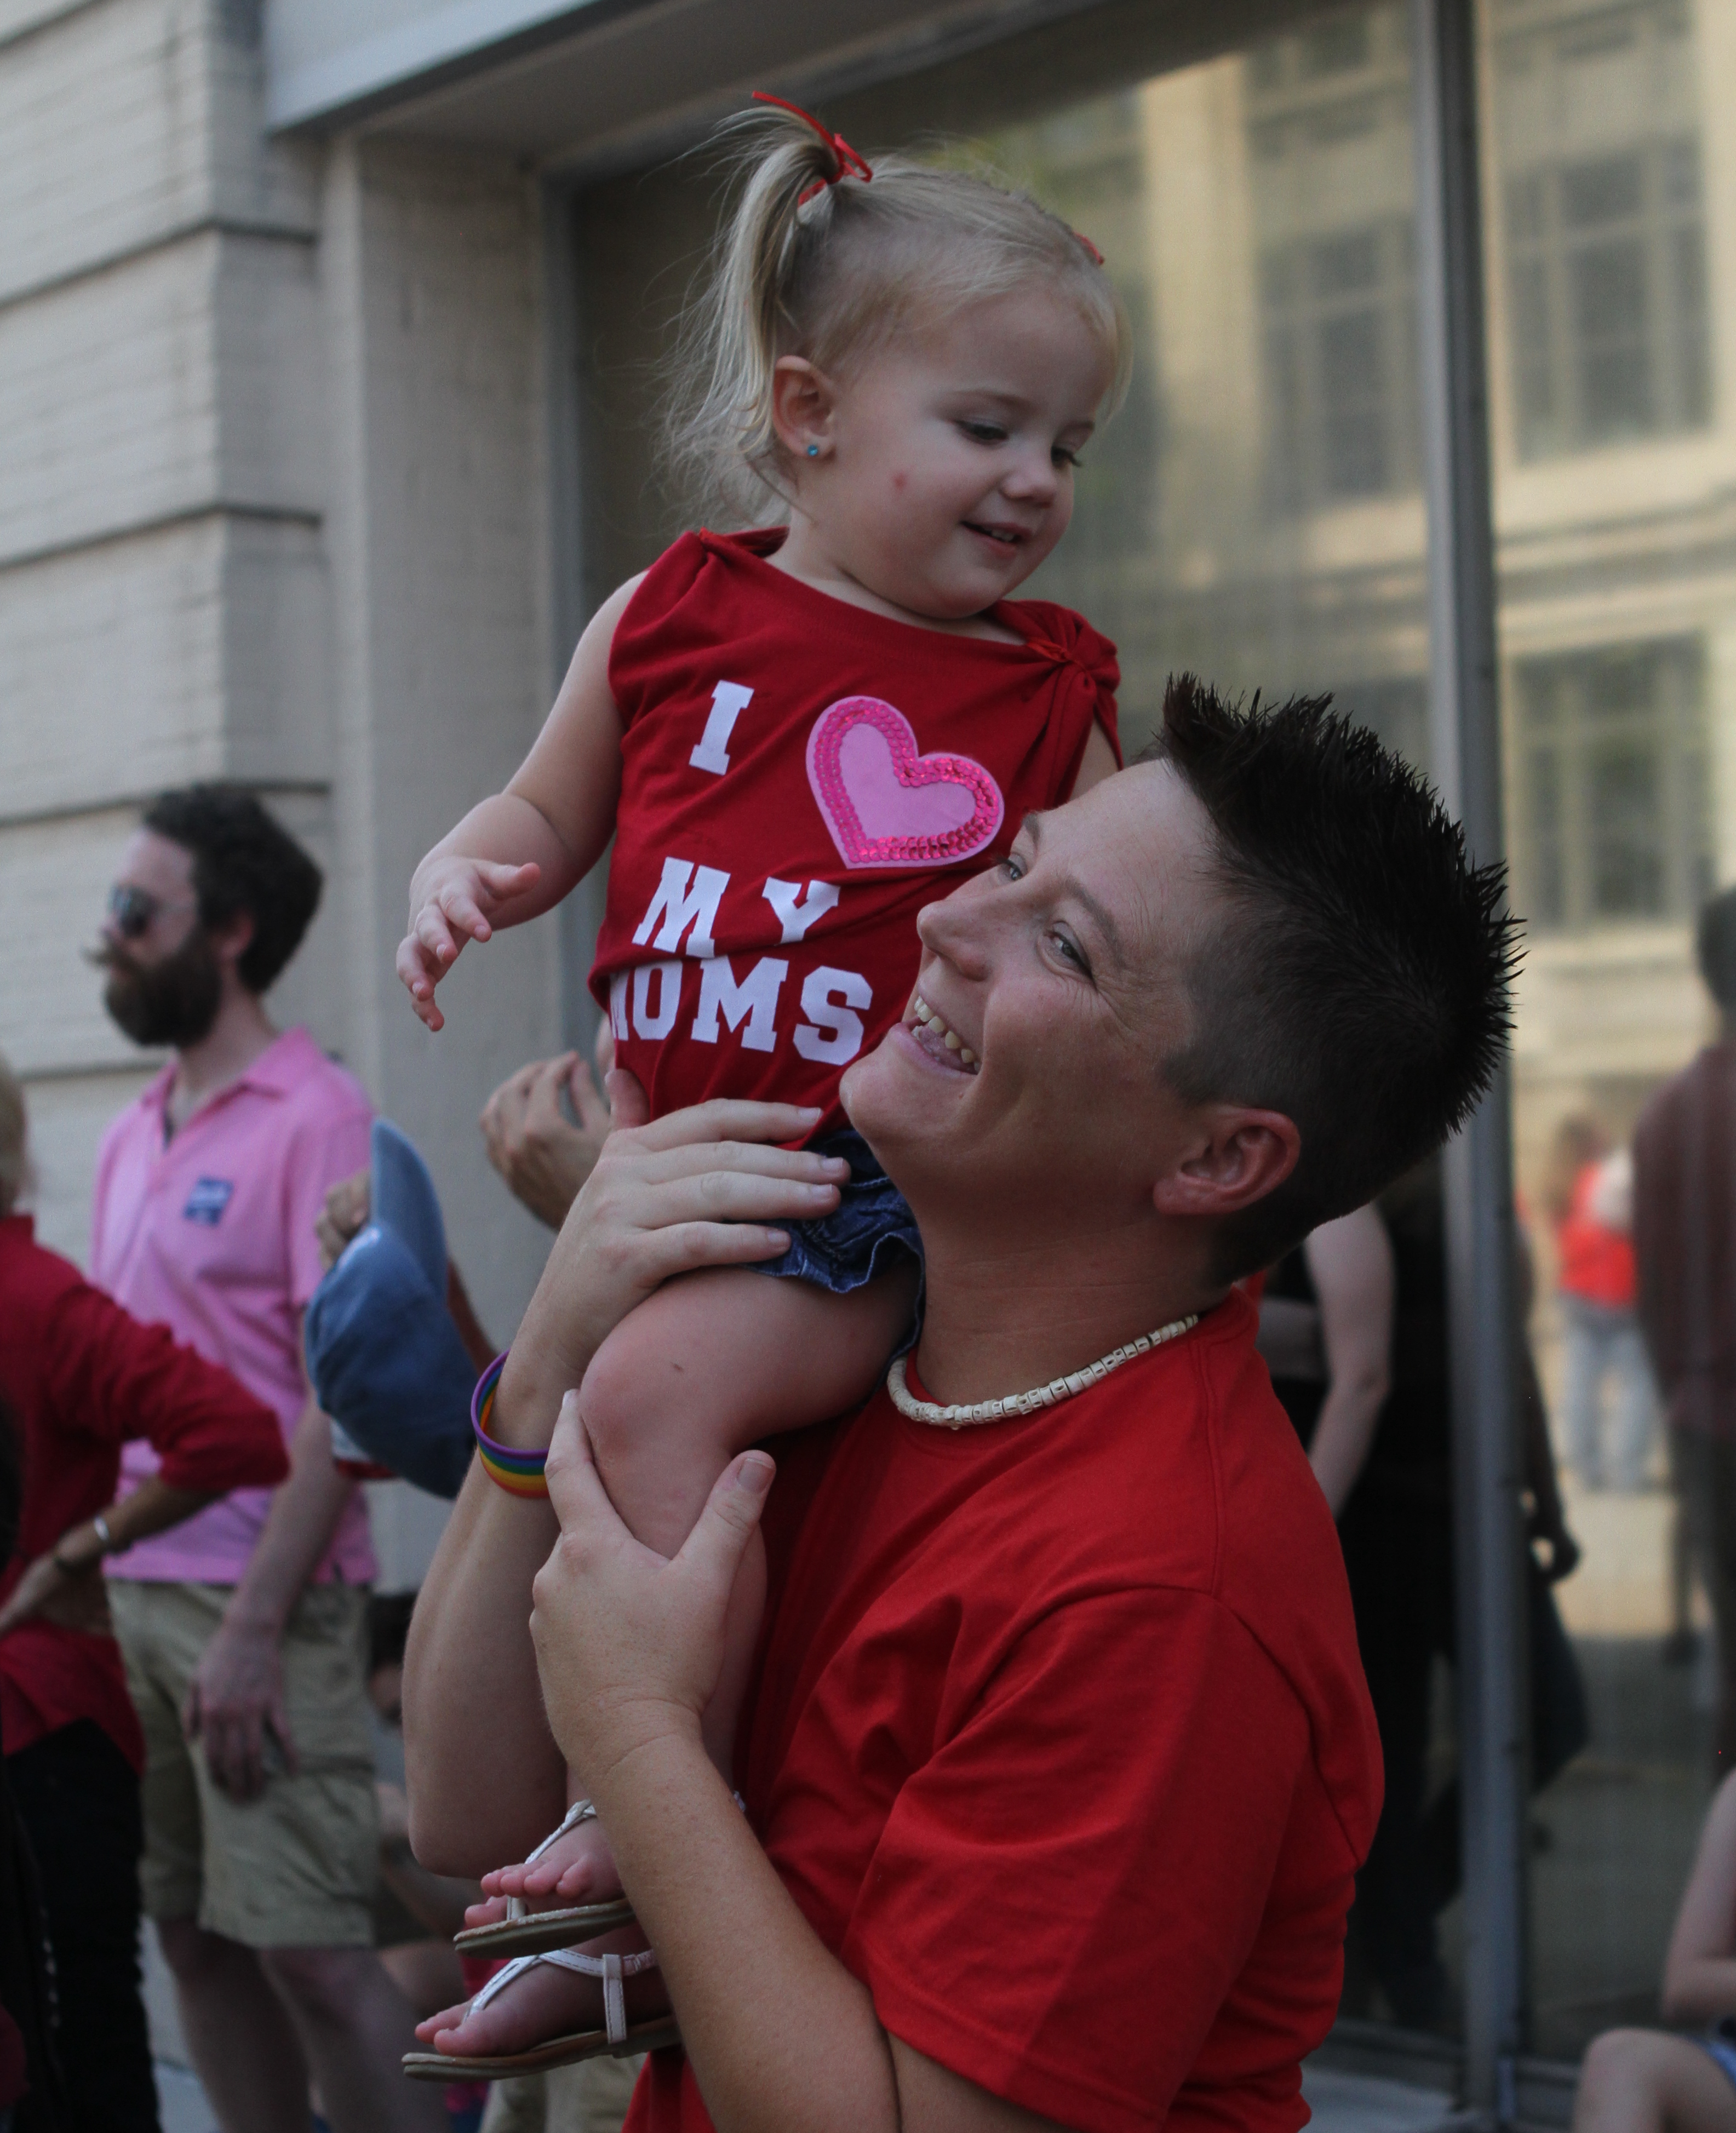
(213, 1237)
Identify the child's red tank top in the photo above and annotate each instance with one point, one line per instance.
(799, 776)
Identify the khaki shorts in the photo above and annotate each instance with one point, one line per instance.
(297, 1866)
(590, 2097)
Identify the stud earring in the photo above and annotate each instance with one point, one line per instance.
(814, 451)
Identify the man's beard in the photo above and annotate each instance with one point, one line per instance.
(174, 1002)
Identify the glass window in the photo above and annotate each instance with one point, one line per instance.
(1255, 515)
(1615, 617)
(1611, 758)
(1604, 231)
(1339, 316)
(1254, 512)
(1273, 410)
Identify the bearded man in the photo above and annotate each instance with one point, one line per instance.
(1060, 1765)
(242, 1628)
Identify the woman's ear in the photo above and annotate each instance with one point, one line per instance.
(1238, 1157)
(802, 406)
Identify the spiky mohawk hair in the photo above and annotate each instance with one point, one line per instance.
(1359, 980)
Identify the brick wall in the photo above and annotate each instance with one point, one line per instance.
(270, 507)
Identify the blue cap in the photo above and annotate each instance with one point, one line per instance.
(402, 1199)
(385, 1359)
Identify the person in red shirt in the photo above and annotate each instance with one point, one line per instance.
(1061, 1764)
(80, 1378)
(1597, 1282)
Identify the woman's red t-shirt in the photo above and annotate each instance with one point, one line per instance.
(1063, 1746)
(799, 776)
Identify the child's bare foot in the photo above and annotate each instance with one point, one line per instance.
(574, 1866)
(542, 2001)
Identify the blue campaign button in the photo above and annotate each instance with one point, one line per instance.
(207, 1201)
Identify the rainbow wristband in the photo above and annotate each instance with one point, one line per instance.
(520, 1473)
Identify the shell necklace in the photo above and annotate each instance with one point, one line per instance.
(1050, 1395)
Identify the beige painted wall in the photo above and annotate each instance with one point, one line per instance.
(272, 507)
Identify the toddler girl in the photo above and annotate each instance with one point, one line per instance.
(798, 737)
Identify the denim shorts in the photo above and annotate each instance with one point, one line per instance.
(864, 1236)
(1722, 2049)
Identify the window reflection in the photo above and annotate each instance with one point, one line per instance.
(1261, 519)
(1605, 229)
(1340, 329)
(1613, 764)
(1255, 514)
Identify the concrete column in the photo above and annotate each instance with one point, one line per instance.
(438, 558)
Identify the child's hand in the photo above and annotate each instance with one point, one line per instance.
(453, 900)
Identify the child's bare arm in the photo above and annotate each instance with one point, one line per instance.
(520, 852)
(1096, 763)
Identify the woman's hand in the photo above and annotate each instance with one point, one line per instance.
(701, 1187)
(630, 1645)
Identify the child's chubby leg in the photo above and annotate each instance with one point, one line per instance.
(710, 1365)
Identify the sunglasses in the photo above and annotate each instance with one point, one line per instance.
(131, 910)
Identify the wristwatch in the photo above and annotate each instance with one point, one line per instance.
(103, 1534)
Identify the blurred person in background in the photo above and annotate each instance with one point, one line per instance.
(415, 1913)
(1353, 1327)
(393, 1343)
(1326, 1333)
(545, 1147)
(243, 1631)
(544, 1128)
(81, 1377)
(1590, 1202)
(32, 2095)
(1684, 1250)
(1647, 2081)
(392, 1346)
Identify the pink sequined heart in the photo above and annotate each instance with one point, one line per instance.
(885, 805)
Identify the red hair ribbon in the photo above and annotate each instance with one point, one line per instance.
(1083, 240)
(850, 165)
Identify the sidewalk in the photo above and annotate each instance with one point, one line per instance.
(181, 2101)
(1341, 2103)
(1364, 2103)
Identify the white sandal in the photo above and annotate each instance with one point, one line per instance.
(616, 2037)
(525, 1932)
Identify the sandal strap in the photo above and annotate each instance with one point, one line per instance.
(612, 1969)
(581, 1810)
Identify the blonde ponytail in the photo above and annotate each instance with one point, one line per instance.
(821, 259)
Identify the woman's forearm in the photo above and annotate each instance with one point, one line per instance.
(469, 1668)
(781, 2037)
(484, 1779)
